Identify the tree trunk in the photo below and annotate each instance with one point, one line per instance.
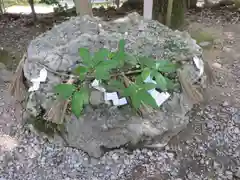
(169, 13)
(160, 9)
(31, 3)
(2, 8)
(178, 13)
(117, 2)
(191, 3)
(83, 7)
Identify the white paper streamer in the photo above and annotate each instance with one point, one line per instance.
(113, 96)
(96, 85)
(36, 81)
(199, 65)
(160, 98)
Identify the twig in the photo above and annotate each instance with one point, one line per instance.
(16, 87)
(64, 110)
(55, 72)
(192, 92)
(56, 114)
(131, 72)
(143, 108)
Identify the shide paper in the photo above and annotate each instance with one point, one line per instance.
(199, 65)
(36, 81)
(160, 98)
(113, 96)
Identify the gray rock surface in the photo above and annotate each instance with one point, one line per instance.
(5, 75)
(103, 127)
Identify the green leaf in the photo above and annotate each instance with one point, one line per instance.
(107, 65)
(166, 66)
(102, 74)
(130, 59)
(120, 55)
(146, 72)
(77, 103)
(119, 58)
(130, 90)
(161, 81)
(149, 86)
(116, 84)
(103, 69)
(81, 72)
(65, 91)
(85, 95)
(170, 84)
(139, 80)
(149, 62)
(121, 45)
(111, 55)
(86, 56)
(101, 55)
(80, 69)
(147, 98)
(136, 102)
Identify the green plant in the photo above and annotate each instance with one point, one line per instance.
(118, 71)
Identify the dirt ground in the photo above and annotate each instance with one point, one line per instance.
(210, 145)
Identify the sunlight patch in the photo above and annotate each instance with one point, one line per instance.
(7, 143)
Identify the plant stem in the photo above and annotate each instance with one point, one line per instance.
(127, 82)
(89, 78)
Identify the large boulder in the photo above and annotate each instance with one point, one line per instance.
(102, 128)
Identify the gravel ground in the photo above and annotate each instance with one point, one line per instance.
(209, 148)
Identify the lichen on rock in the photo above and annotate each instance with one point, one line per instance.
(103, 127)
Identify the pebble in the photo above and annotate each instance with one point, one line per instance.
(126, 161)
(170, 155)
(115, 156)
(217, 41)
(238, 173)
(225, 103)
(236, 118)
(96, 98)
(205, 44)
(141, 157)
(217, 65)
(149, 153)
(229, 174)
(236, 130)
(202, 161)
(227, 49)
(112, 177)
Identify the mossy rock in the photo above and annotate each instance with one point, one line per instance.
(8, 59)
(46, 127)
(202, 37)
(237, 3)
(4, 56)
